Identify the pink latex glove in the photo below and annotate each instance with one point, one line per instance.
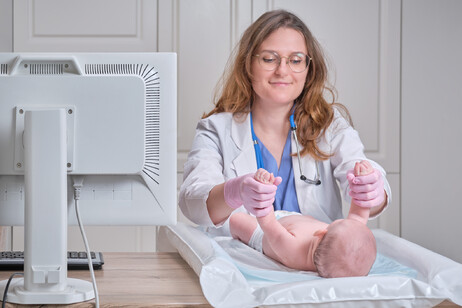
(256, 197)
(366, 190)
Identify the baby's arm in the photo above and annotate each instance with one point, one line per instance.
(356, 212)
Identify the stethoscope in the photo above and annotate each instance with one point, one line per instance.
(293, 128)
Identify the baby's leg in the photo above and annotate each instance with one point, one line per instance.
(242, 226)
(356, 212)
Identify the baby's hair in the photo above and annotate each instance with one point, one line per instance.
(347, 249)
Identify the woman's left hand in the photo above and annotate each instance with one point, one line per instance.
(366, 190)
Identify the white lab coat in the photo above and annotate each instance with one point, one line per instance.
(223, 149)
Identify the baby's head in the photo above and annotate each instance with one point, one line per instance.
(347, 249)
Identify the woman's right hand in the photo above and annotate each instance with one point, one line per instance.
(256, 197)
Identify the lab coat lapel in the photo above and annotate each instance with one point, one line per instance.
(305, 192)
(241, 135)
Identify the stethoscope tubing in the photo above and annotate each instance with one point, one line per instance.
(316, 181)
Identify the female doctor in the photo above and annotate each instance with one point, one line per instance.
(271, 113)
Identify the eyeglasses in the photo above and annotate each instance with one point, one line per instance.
(270, 61)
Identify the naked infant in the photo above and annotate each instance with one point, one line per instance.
(343, 248)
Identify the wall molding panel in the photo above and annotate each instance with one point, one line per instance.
(86, 25)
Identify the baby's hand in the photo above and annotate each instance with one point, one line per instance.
(264, 176)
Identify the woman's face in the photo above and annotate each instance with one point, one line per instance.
(282, 85)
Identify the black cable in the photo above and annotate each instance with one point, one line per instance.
(7, 286)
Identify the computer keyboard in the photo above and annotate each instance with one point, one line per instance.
(76, 260)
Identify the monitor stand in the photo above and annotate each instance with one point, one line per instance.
(45, 227)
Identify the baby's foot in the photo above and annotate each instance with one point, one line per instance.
(264, 176)
(363, 168)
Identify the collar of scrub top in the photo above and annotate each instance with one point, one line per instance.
(316, 181)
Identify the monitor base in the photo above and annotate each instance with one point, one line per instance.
(77, 290)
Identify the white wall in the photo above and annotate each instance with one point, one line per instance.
(6, 45)
(6, 25)
(431, 125)
(362, 41)
(368, 54)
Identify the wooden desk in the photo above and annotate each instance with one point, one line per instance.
(145, 280)
(141, 280)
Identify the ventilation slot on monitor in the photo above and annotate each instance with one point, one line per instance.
(46, 69)
(3, 69)
(152, 83)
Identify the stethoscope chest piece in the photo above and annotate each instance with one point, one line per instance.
(314, 182)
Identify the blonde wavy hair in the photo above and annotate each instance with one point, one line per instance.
(312, 114)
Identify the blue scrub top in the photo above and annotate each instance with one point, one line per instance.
(286, 197)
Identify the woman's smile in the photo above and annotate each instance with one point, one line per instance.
(280, 83)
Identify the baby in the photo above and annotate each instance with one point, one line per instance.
(344, 248)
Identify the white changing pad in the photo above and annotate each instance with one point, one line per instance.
(234, 275)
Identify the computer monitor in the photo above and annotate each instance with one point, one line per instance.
(103, 120)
